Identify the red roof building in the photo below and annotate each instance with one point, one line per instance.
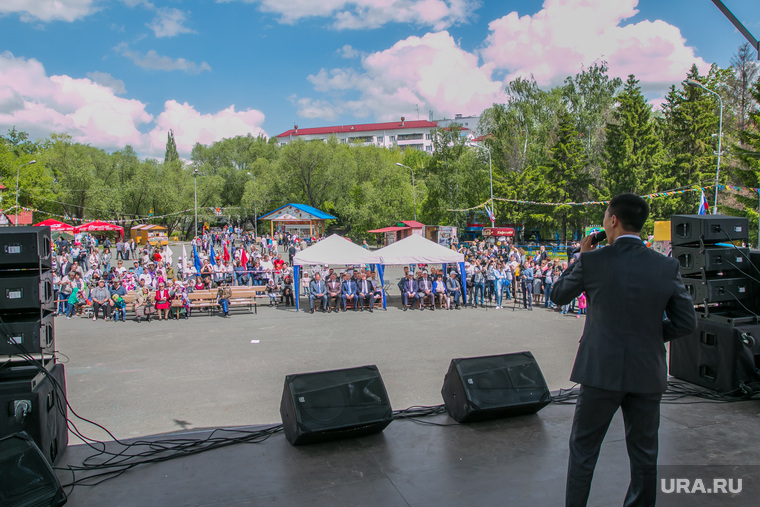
(411, 134)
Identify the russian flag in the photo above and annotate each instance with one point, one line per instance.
(702, 204)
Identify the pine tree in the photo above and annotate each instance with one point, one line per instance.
(748, 153)
(632, 149)
(690, 119)
(567, 176)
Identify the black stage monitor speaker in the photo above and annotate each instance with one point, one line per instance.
(27, 333)
(26, 479)
(693, 260)
(30, 402)
(718, 290)
(26, 290)
(480, 388)
(328, 405)
(25, 247)
(689, 229)
(719, 356)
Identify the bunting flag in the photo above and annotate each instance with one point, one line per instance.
(212, 255)
(702, 210)
(196, 259)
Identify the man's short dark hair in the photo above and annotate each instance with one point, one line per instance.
(631, 209)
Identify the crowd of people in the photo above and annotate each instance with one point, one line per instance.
(88, 273)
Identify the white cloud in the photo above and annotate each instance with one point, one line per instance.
(169, 22)
(153, 61)
(107, 80)
(568, 35)
(357, 14)
(48, 10)
(430, 72)
(192, 127)
(91, 113)
(348, 52)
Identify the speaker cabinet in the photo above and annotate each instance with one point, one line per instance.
(26, 290)
(693, 260)
(334, 404)
(26, 479)
(489, 387)
(27, 333)
(718, 356)
(31, 402)
(690, 229)
(718, 289)
(25, 247)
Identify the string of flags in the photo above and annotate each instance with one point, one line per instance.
(210, 209)
(654, 195)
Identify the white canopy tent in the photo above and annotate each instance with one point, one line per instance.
(416, 249)
(331, 250)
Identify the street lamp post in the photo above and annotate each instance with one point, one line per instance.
(195, 179)
(490, 175)
(697, 84)
(255, 215)
(414, 195)
(18, 172)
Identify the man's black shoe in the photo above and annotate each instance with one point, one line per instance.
(405, 308)
(312, 310)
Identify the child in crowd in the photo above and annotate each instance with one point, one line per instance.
(581, 305)
(119, 308)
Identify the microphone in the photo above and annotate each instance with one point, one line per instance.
(596, 238)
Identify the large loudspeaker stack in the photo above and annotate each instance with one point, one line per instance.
(723, 354)
(32, 383)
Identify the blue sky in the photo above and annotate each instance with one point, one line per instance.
(112, 73)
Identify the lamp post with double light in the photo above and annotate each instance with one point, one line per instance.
(195, 179)
(414, 195)
(18, 172)
(697, 84)
(255, 215)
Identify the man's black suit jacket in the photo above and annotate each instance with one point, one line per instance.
(629, 288)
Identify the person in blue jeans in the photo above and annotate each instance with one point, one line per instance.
(479, 286)
(501, 278)
(223, 296)
(527, 285)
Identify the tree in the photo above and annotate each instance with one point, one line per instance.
(633, 151)
(741, 82)
(171, 149)
(568, 178)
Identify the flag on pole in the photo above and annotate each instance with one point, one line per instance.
(244, 259)
(184, 257)
(226, 256)
(703, 206)
(491, 216)
(212, 255)
(196, 259)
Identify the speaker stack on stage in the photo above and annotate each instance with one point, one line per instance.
(721, 275)
(32, 383)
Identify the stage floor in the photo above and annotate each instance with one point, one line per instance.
(515, 462)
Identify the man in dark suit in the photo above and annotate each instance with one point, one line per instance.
(409, 295)
(348, 290)
(317, 290)
(621, 356)
(454, 288)
(365, 292)
(425, 290)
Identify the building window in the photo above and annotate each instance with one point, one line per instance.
(409, 137)
(428, 137)
(392, 139)
(429, 147)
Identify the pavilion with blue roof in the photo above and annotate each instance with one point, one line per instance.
(298, 219)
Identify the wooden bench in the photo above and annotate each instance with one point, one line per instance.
(203, 300)
(245, 296)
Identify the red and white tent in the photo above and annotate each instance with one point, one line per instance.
(55, 225)
(99, 226)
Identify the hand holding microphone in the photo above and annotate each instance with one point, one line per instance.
(590, 241)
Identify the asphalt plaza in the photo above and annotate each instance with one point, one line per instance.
(207, 371)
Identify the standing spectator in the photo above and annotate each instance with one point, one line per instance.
(127, 249)
(526, 275)
(581, 305)
(120, 250)
(479, 286)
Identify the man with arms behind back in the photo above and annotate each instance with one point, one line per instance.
(621, 356)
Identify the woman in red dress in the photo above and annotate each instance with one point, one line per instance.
(162, 301)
